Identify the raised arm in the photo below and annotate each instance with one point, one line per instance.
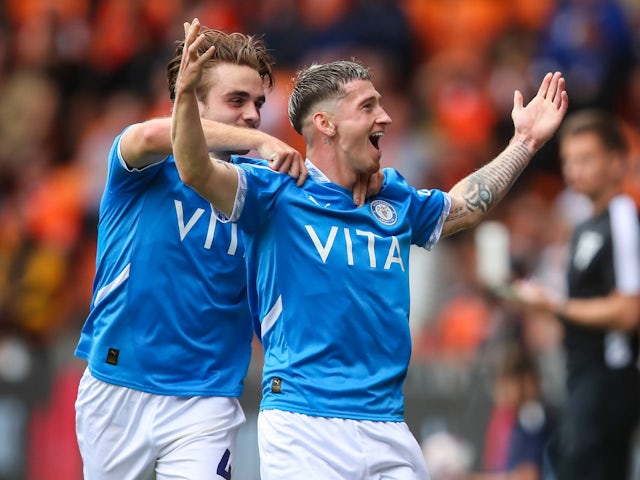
(150, 142)
(216, 180)
(474, 196)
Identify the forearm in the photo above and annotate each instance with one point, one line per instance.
(217, 181)
(154, 137)
(188, 141)
(475, 195)
(223, 137)
(614, 311)
(534, 124)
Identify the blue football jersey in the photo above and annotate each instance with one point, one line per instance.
(329, 283)
(169, 313)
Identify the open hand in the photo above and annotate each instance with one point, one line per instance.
(537, 122)
(192, 64)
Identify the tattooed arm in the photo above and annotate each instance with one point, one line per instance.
(474, 196)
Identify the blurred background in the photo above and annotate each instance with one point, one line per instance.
(74, 73)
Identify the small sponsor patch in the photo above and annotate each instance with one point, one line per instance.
(276, 385)
(384, 212)
(112, 356)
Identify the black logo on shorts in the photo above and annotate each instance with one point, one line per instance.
(112, 356)
(276, 385)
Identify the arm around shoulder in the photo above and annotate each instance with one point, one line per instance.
(146, 143)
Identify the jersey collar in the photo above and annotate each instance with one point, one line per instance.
(315, 173)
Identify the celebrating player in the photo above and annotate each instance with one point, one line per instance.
(329, 282)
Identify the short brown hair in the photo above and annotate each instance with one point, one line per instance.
(599, 122)
(235, 48)
(320, 82)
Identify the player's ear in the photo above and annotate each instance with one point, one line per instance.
(322, 123)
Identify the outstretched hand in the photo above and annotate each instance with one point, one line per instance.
(540, 118)
(192, 64)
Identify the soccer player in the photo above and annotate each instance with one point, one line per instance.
(602, 311)
(168, 336)
(329, 282)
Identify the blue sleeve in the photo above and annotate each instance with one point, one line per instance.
(120, 177)
(427, 209)
(239, 160)
(258, 190)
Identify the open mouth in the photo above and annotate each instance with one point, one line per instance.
(375, 139)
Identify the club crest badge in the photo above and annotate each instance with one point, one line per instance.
(384, 212)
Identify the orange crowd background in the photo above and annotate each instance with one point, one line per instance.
(74, 73)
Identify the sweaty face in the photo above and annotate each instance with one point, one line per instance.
(235, 95)
(360, 123)
(587, 166)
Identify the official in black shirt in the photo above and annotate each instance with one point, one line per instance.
(601, 314)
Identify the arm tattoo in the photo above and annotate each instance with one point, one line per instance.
(456, 213)
(487, 186)
(223, 163)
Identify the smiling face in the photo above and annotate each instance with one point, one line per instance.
(231, 94)
(360, 122)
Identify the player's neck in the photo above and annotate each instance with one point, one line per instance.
(328, 162)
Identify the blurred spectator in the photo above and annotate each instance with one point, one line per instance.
(520, 423)
(471, 25)
(381, 26)
(283, 27)
(591, 42)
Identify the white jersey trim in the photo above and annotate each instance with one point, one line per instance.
(112, 285)
(270, 318)
(625, 236)
(125, 165)
(238, 204)
(437, 231)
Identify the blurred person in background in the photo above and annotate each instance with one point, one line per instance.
(601, 312)
(592, 41)
(168, 336)
(520, 422)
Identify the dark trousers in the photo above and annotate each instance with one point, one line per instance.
(596, 427)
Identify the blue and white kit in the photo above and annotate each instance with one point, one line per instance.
(156, 236)
(330, 285)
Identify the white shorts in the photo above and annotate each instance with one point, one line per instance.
(301, 447)
(126, 434)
